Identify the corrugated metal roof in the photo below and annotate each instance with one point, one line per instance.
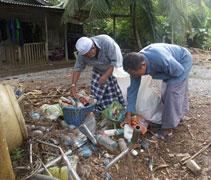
(29, 4)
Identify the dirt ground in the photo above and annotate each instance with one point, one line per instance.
(191, 135)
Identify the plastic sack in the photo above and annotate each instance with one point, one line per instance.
(148, 102)
(114, 112)
(51, 112)
(123, 79)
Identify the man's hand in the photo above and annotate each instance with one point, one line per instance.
(103, 79)
(74, 91)
(127, 120)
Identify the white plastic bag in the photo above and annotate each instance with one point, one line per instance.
(148, 102)
(51, 112)
(123, 79)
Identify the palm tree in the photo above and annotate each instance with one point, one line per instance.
(141, 11)
(143, 20)
(176, 11)
(86, 10)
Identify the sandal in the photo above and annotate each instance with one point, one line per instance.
(161, 135)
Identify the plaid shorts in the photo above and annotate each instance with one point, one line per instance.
(107, 93)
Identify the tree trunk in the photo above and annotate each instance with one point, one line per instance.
(172, 34)
(134, 24)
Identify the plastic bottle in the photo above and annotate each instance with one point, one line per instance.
(122, 144)
(134, 152)
(85, 98)
(90, 122)
(79, 104)
(78, 138)
(112, 132)
(85, 151)
(65, 100)
(66, 140)
(107, 142)
(35, 115)
(193, 166)
(78, 142)
(128, 132)
(19, 91)
(64, 125)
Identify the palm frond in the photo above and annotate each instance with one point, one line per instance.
(87, 9)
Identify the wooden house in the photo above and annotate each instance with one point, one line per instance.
(31, 30)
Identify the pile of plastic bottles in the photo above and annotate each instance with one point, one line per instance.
(81, 100)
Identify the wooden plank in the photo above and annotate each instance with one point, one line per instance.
(46, 38)
(6, 54)
(12, 56)
(65, 42)
(19, 58)
(34, 54)
(39, 53)
(37, 56)
(26, 54)
(43, 53)
(30, 56)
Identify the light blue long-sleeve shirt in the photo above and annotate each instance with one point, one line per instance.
(170, 63)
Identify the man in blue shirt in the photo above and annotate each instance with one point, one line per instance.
(170, 63)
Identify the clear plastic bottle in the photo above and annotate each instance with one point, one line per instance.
(64, 124)
(122, 144)
(85, 151)
(107, 142)
(90, 122)
(128, 132)
(19, 90)
(113, 132)
(66, 140)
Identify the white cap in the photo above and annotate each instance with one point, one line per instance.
(83, 45)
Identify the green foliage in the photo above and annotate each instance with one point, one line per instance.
(87, 9)
(124, 34)
(98, 26)
(200, 18)
(207, 41)
(16, 156)
(146, 24)
(53, 2)
(155, 19)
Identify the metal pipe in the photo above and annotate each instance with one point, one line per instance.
(46, 168)
(73, 172)
(54, 161)
(116, 159)
(85, 130)
(42, 177)
(135, 137)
